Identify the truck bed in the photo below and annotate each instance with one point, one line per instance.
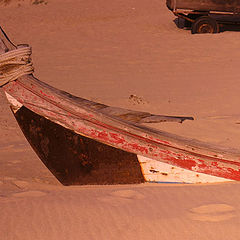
(205, 5)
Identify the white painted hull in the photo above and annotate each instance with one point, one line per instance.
(159, 172)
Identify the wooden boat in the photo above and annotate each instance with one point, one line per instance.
(83, 142)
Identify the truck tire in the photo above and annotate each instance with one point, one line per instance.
(205, 24)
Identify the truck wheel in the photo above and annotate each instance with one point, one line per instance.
(205, 24)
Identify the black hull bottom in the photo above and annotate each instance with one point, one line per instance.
(74, 159)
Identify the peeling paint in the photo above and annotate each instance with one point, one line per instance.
(114, 133)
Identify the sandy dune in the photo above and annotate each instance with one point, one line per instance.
(107, 51)
(121, 212)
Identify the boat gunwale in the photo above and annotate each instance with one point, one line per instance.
(152, 135)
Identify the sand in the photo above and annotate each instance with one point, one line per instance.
(107, 51)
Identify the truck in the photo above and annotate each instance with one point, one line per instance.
(206, 16)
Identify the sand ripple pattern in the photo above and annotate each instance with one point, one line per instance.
(212, 213)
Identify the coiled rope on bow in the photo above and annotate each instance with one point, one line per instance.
(15, 63)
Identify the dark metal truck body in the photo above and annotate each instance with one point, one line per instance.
(205, 16)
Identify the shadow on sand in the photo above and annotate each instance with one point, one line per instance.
(181, 24)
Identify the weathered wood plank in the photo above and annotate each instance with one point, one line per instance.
(128, 137)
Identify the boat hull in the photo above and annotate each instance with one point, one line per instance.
(125, 139)
(78, 160)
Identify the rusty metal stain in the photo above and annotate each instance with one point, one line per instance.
(74, 159)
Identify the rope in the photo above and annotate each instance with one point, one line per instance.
(14, 64)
